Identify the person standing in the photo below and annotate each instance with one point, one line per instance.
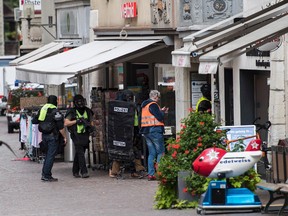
(152, 128)
(79, 122)
(51, 123)
(204, 103)
(139, 170)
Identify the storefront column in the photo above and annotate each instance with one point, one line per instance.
(222, 94)
(278, 98)
(236, 94)
(182, 94)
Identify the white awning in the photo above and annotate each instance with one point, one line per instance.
(86, 58)
(243, 44)
(39, 53)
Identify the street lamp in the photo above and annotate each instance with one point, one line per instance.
(28, 13)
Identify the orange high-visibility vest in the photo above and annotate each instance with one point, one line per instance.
(147, 119)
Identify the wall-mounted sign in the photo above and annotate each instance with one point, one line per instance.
(36, 3)
(262, 63)
(271, 45)
(129, 10)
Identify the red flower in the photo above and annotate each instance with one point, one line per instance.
(174, 155)
(199, 139)
(176, 146)
(195, 149)
(164, 181)
(186, 152)
(218, 131)
(190, 109)
(185, 190)
(202, 123)
(199, 144)
(183, 126)
(159, 173)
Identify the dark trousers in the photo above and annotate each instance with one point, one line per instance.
(52, 147)
(79, 163)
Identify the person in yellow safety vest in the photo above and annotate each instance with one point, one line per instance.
(152, 128)
(50, 122)
(139, 170)
(80, 125)
(204, 103)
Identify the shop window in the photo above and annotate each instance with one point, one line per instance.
(165, 84)
(118, 76)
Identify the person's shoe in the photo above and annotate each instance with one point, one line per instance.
(143, 173)
(85, 175)
(151, 178)
(50, 179)
(76, 175)
(135, 175)
(112, 175)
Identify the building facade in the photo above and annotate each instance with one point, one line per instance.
(248, 79)
(173, 19)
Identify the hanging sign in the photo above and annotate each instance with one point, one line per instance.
(36, 3)
(129, 10)
(271, 45)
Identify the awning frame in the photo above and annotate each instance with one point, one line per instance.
(234, 31)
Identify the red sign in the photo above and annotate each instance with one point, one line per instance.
(129, 10)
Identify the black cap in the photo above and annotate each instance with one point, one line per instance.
(206, 90)
(79, 101)
(52, 99)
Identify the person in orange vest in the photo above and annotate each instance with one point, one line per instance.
(152, 128)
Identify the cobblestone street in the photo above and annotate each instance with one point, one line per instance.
(23, 193)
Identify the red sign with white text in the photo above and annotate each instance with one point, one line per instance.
(129, 10)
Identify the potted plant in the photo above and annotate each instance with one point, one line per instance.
(197, 133)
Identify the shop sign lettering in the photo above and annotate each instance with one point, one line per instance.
(36, 3)
(129, 10)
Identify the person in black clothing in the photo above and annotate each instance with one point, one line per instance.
(137, 169)
(79, 122)
(204, 103)
(50, 122)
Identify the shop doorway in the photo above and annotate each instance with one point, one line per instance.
(229, 102)
(139, 80)
(254, 96)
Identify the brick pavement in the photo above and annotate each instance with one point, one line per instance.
(22, 192)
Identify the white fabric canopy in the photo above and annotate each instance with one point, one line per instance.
(58, 68)
(38, 53)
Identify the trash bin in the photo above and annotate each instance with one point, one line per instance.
(69, 149)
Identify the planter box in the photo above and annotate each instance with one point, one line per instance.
(182, 184)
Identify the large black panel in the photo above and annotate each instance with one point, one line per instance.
(121, 116)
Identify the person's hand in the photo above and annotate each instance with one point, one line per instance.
(64, 141)
(165, 109)
(79, 121)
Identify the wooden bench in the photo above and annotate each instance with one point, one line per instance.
(276, 192)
